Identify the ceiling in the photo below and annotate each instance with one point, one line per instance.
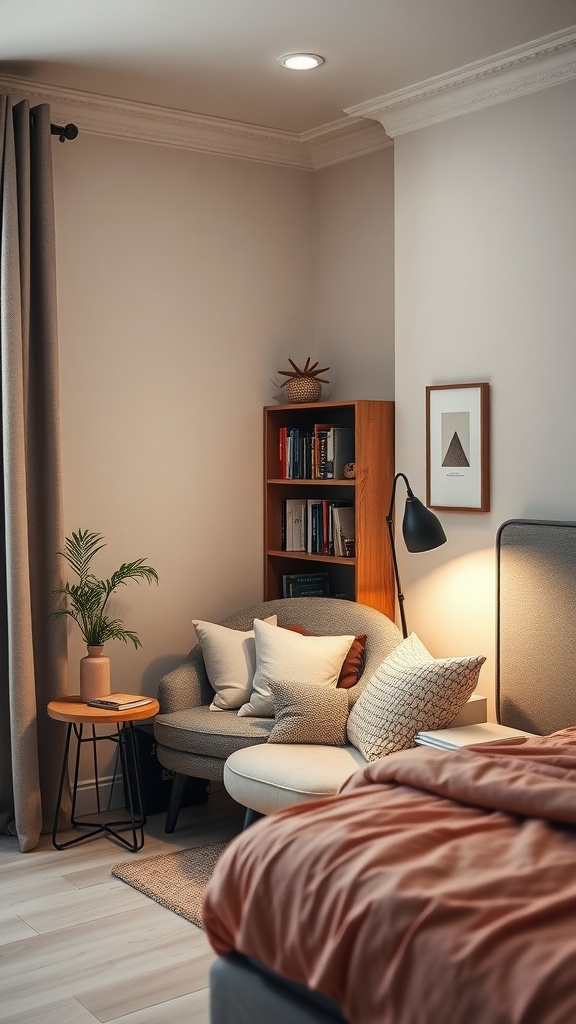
(219, 57)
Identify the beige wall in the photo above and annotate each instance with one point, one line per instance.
(355, 275)
(485, 258)
(183, 281)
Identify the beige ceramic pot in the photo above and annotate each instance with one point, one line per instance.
(94, 675)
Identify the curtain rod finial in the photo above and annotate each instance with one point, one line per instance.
(69, 131)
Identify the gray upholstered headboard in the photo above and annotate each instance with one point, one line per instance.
(536, 642)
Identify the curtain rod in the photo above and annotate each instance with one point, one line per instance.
(69, 131)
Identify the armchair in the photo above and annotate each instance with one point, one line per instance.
(194, 741)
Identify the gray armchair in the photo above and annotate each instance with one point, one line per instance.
(194, 741)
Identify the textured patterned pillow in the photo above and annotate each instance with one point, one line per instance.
(408, 692)
(230, 661)
(309, 714)
(281, 654)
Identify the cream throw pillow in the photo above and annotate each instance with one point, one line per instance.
(230, 660)
(309, 714)
(284, 655)
(408, 692)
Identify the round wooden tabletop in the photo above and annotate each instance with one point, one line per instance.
(72, 709)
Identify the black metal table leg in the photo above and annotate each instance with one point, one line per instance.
(125, 738)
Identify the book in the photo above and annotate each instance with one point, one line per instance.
(325, 527)
(312, 526)
(343, 450)
(295, 524)
(344, 531)
(319, 450)
(119, 701)
(306, 584)
(283, 441)
(332, 505)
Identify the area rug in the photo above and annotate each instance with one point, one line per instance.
(176, 880)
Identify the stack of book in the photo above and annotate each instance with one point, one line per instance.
(470, 735)
(318, 526)
(317, 454)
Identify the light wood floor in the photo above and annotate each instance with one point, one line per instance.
(78, 945)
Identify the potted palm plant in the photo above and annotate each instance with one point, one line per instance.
(86, 602)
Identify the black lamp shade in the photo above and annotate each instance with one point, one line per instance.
(422, 530)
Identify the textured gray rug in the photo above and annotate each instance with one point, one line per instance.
(176, 880)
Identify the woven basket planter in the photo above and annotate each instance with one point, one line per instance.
(303, 389)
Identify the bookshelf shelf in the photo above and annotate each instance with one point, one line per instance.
(304, 556)
(367, 577)
(314, 483)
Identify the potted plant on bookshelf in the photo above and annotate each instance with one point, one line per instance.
(86, 601)
(304, 385)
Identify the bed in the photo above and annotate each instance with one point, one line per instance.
(437, 886)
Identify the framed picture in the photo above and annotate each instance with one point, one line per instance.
(458, 447)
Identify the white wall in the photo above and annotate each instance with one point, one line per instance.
(183, 280)
(485, 291)
(355, 276)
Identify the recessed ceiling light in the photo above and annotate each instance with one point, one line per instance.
(300, 61)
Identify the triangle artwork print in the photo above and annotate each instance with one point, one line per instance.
(455, 456)
(455, 440)
(458, 447)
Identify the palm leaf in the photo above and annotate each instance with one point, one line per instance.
(85, 601)
(79, 550)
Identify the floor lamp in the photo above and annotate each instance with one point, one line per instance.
(421, 530)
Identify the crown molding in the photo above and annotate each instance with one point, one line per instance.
(548, 61)
(141, 122)
(342, 140)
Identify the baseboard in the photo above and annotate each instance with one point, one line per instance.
(110, 791)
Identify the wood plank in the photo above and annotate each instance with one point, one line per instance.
(63, 1011)
(147, 989)
(94, 942)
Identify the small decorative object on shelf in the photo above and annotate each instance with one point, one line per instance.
(86, 601)
(350, 471)
(304, 385)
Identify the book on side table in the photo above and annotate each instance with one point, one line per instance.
(119, 701)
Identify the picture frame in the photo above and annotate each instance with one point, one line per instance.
(458, 447)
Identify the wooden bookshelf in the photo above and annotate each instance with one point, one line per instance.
(368, 577)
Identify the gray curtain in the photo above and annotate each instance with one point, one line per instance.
(32, 647)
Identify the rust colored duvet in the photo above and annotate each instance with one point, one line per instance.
(436, 887)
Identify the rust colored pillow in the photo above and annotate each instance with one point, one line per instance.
(352, 668)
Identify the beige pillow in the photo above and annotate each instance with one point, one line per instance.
(282, 655)
(307, 713)
(230, 660)
(408, 692)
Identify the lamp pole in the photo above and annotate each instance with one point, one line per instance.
(421, 529)
(390, 523)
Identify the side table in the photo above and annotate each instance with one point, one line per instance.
(77, 715)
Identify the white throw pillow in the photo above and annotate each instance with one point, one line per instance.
(282, 655)
(230, 660)
(408, 692)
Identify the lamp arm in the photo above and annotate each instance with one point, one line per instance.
(410, 495)
(389, 523)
